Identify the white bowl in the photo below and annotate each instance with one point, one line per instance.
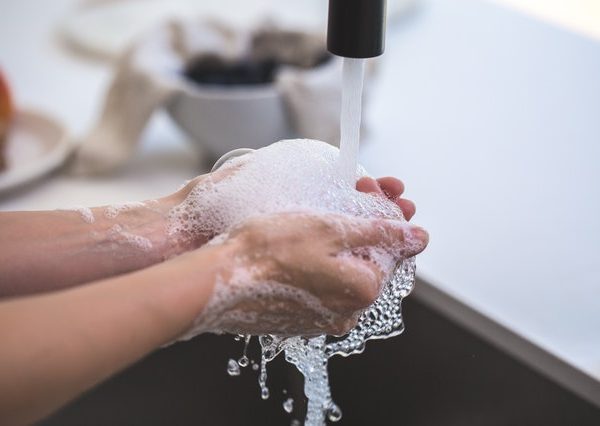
(223, 118)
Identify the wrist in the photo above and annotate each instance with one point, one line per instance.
(174, 241)
(178, 241)
(143, 226)
(169, 242)
(193, 277)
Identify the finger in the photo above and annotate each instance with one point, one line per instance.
(399, 238)
(408, 207)
(368, 185)
(391, 187)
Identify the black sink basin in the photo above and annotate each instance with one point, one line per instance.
(436, 373)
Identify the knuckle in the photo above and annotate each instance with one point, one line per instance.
(367, 295)
(361, 286)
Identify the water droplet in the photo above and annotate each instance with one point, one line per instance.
(243, 361)
(288, 405)
(264, 393)
(233, 368)
(334, 414)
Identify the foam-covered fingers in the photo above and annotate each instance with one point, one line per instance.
(415, 240)
(391, 188)
(397, 237)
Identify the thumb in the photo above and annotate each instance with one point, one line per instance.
(402, 239)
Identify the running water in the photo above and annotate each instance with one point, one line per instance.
(382, 320)
(352, 88)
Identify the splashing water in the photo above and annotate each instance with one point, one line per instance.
(382, 320)
(243, 361)
(233, 367)
(288, 405)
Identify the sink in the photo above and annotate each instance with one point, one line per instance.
(436, 373)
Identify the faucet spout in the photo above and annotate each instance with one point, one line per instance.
(356, 28)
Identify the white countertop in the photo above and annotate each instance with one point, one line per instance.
(490, 117)
(493, 120)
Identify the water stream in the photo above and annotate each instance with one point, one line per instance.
(382, 320)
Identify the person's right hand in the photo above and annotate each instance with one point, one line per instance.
(304, 274)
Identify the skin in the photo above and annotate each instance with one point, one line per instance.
(313, 253)
(51, 250)
(57, 344)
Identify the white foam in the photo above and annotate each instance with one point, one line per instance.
(111, 212)
(287, 176)
(120, 235)
(221, 314)
(85, 213)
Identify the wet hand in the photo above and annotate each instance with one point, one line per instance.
(306, 274)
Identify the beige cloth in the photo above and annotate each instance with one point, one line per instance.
(149, 74)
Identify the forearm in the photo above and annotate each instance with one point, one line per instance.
(41, 251)
(58, 345)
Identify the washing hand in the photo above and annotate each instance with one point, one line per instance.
(301, 273)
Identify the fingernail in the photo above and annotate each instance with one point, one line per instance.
(419, 234)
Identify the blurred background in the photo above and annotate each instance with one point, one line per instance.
(489, 110)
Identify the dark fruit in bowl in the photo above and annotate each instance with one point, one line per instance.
(212, 70)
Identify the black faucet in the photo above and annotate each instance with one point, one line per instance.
(356, 28)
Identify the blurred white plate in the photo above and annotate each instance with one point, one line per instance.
(36, 145)
(106, 28)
